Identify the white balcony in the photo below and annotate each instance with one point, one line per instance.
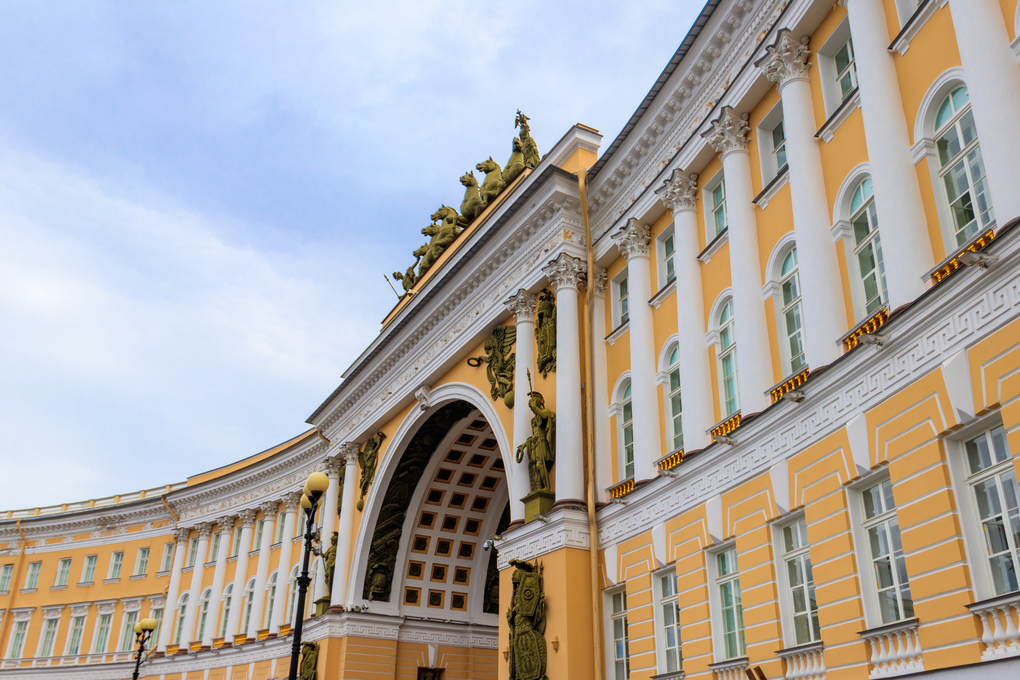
(732, 669)
(804, 662)
(895, 649)
(1000, 630)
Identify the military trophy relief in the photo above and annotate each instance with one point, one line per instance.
(545, 333)
(309, 661)
(368, 459)
(500, 363)
(540, 448)
(447, 224)
(526, 621)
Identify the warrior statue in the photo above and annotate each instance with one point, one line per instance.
(528, 144)
(500, 362)
(407, 279)
(368, 459)
(329, 557)
(526, 619)
(541, 445)
(545, 333)
(309, 661)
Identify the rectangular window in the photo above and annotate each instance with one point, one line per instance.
(127, 636)
(846, 70)
(279, 529)
(142, 561)
(18, 640)
(800, 584)
(628, 436)
(214, 549)
(621, 645)
(623, 300)
(5, 577)
(236, 549)
(158, 615)
(302, 518)
(32, 580)
(889, 569)
(192, 552)
(49, 636)
(168, 557)
(717, 207)
(732, 612)
(993, 483)
(116, 560)
(779, 147)
(668, 620)
(257, 542)
(89, 571)
(102, 634)
(74, 637)
(63, 572)
(669, 258)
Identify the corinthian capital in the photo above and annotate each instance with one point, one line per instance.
(204, 529)
(333, 465)
(522, 305)
(729, 131)
(633, 239)
(566, 271)
(786, 59)
(248, 517)
(679, 192)
(599, 282)
(349, 452)
(292, 500)
(270, 508)
(181, 534)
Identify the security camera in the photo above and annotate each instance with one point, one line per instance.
(488, 544)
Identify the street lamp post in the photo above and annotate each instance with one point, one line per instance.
(314, 488)
(143, 631)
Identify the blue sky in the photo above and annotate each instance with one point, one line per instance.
(198, 202)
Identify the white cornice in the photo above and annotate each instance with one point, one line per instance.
(563, 528)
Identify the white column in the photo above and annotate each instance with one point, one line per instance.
(634, 240)
(219, 576)
(522, 306)
(600, 370)
(680, 194)
(754, 361)
(903, 228)
(342, 569)
(993, 81)
(327, 526)
(821, 290)
(240, 574)
(568, 273)
(166, 630)
(290, 509)
(197, 573)
(269, 510)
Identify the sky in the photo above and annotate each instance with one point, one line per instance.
(198, 202)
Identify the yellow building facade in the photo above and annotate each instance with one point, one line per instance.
(787, 332)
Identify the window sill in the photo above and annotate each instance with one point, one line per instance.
(54, 588)
(675, 675)
(28, 591)
(276, 546)
(85, 584)
(253, 553)
(839, 116)
(137, 577)
(186, 570)
(781, 179)
(111, 581)
(713, 247)
(617, 332)
(737, 664)
(161, 574)
(914, 25)
(4, 593)
(209, 565)
(232, 558)
(889, 627)
(297, 539)
(663, 293)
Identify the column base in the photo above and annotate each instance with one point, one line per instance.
(572, 503)
(336, 609)
(517, 523)
(538, 503)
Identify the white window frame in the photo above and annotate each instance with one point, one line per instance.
(280, 525)
(774, 288)
(167, 561)
(248, 599)
(127, 633)
(906, 9)
(192, 553)
(180, 613)
(16, 647)
(32, 576)
(620, 287)
(716, 606)
(716, 338)
(227, 601)
(88, 570)
(260, 526)
(709, 206)
(665, 379)
(292, 594)
(664, 257)
(786, 604)
(770, 167)
(156, 614)
(51, 625)
(63, 572)
(832, 95)
(116, 563)
(865, 563)
(214, 546)
(203, 613)
(660, 602)
(142, 561)
(6, 573)
(235, 546)
(867, 211)
(623, 399)
(75, 628)
(101, 635)
(270, 600)
(611, 640)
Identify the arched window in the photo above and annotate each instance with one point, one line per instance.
(249, 598)
(868, 247)
(627, 421)
(270, 599)
(791, 313)
(182, 610)
(292, 594)
(673, 405)
(203, 612)
(961, 168)
(727, 358)
(228, 593)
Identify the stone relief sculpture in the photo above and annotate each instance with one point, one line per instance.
(499, 363)
(368, 459)
(472, 205)
(309, 661)
(528, 144)
(493, 183)
(329, 558)
(526, 619)
(541, 445)
(545, 333)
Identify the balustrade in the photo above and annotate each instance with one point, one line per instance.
(734, 669)
(804, 662)
(895, 649)
(1000, 630)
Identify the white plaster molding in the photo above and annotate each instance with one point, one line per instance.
(679, 192)
(729, 133)
(923, 123)
(563, 528)
(663, 293)
(522, 306)
(773, 187)
(713, 247)
(786, 60)
(839, 116)
(902, 42)
(617, 332)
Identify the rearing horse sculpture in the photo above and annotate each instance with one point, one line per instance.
(493, 183)
(472, 206)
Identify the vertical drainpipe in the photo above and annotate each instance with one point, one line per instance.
(589, 413)
(15, 580)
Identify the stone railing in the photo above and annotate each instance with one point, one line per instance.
(804, 662)
(1000, 629)
(732, 669)
(895, 649)
(675, 675)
